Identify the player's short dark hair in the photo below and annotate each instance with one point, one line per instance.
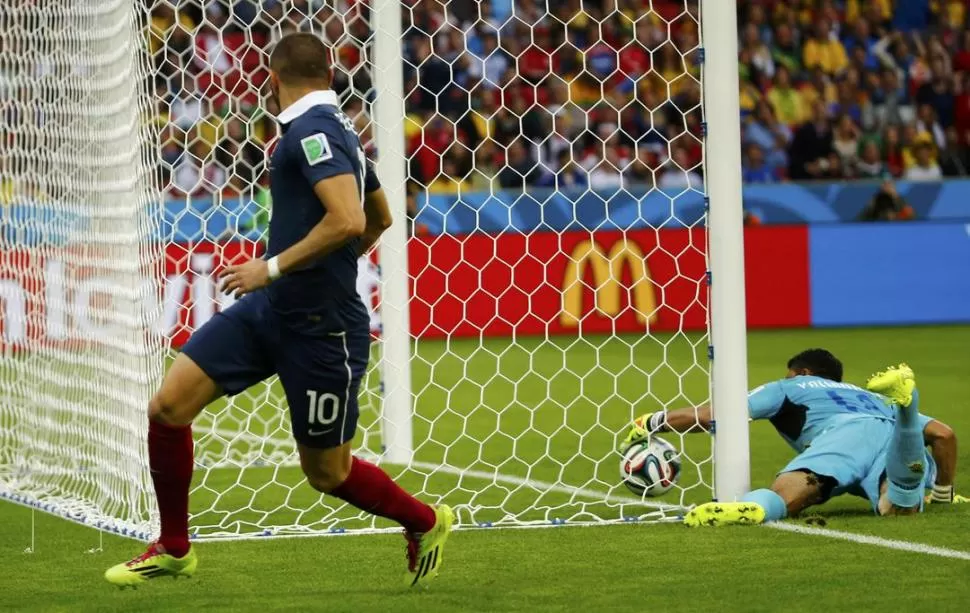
(301, 58)
(820, 362)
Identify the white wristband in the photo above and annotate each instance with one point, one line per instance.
(273, 265)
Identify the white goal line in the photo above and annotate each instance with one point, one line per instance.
(875, 541)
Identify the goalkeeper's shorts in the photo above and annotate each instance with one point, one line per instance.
(853, 455)
(320, 372)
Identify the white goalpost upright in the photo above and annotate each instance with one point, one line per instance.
(521, 329)
(729, 366)
(388, 121)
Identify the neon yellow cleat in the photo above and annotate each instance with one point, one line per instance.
(426, 552)
(152, 564)
(896, 382)
(725, 514)
(639, 431)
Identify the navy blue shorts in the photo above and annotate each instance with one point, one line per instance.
(320, 371)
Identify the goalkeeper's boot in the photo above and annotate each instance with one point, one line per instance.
(896, 383)
(639, 431)
(152, 564)
(425, 551)
(725, 514)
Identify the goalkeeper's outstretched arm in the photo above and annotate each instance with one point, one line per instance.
(689, 419)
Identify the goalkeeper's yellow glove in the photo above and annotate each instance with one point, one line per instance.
(643, 427)
(944, 494)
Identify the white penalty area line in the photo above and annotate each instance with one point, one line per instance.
(875, 541)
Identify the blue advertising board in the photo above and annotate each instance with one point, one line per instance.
(889, 273)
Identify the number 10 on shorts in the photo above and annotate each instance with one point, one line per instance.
(323, 409)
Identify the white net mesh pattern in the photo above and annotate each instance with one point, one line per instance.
(78, 262)
(547, 146)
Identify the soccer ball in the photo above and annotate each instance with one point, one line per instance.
(650, 468)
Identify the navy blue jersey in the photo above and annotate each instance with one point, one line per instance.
(318, 142)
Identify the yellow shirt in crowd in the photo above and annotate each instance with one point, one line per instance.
(829, 55)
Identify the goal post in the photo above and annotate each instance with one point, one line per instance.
(575, 259)
(389, 114)
(729, 364)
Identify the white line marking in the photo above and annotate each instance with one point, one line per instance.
(542, 486)
(876, 541)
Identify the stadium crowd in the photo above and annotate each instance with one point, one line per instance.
(599, 93)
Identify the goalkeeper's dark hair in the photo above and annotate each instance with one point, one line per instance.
(301, 58)
(820, 362)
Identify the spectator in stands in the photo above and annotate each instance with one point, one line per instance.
(236, 153)
(490, 63)
(195, 173)
(893, 151)
(961, 59)
(924, 167)
(953, 157)
(450, 180)
(845, 142)
(822, 50)
(939, 92)
(870, 164)
(860, 37)
(753, 167)
(926, 123)
(520, 169)
(787, 102)
(762, 64)
(169, 36)
(812, 146)
(887, 205)
(785, 50)
(606, 173)
(771, 137)
(676, 175)
(891, 99)
(819, 87)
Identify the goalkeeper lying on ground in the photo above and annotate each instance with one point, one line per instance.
(871, 444)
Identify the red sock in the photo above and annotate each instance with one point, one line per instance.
(370, 489)
(170, 460)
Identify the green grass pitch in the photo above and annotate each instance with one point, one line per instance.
(662, 567)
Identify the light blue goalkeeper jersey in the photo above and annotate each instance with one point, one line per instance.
(802, 408)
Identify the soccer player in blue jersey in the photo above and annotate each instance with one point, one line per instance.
(869, 443)
(300, 317)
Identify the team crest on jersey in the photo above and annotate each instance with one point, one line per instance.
(316, 148)
(916, 467)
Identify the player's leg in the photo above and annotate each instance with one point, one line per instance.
(835, 460)
(185, 391)
(791, 493)
(321, 378)
(222, 356)
(902, 491)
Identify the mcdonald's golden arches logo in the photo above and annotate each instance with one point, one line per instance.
(607, 285)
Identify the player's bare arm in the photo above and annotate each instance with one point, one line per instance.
(942, 442)
(344, 221)
(378, 215)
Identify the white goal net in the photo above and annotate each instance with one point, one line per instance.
(545, 282)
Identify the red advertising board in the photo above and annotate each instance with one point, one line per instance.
(634, 281)
(543, 283)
